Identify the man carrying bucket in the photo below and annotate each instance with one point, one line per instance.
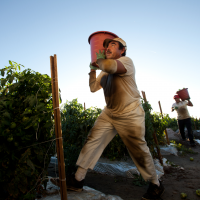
(183, 118)
(123, 114)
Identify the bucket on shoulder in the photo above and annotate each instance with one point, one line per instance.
(96, 40)
(183, 94)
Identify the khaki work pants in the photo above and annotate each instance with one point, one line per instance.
(131, 128)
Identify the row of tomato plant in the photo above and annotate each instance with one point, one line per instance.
(26, 120)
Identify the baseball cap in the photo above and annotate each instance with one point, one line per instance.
(176, 96)
(106, 42)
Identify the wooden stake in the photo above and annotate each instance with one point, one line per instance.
(58, 131)
(158, 150)
(166, 134)
(144, 96)
(154, 134)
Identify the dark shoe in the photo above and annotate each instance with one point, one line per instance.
(154, 192)
(72, 183)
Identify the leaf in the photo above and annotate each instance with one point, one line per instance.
(2, 72)
(41, 106)
(32, 100)
(6, 114)
(11, 89)
(29, 126)
(11, 79)
(30, 164)
(3, 81)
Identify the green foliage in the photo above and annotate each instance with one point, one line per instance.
(195, 123)
(76, 124)
(180, 147)
(173, 124)
(149, 129)
(171, 163)
(116, 149)
(160, 123)
(25, 121)
(154, 123)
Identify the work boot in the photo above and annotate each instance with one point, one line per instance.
(154, 192)
(72, 183)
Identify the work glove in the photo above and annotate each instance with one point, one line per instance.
(93, 67)
(100, 55)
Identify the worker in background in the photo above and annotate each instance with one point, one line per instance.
(183, 118)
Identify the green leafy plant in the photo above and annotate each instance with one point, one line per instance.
(149, 129)
(180, 147)
(76, 124)
(171, 163)
(154, 123)
(160, 124)
(172, 123)
(195, 123)
(116, 149)
(26, 121)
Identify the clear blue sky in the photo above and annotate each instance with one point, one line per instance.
(163, 39)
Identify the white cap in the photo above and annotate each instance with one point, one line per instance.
(106, 42)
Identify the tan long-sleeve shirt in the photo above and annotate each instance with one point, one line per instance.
(120, 90)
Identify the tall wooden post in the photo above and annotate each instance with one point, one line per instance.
(166, 134)
(154, 134)
(58, 131)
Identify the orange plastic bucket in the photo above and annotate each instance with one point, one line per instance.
(183, 94)
(96, 42)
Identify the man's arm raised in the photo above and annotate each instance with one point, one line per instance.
(94, 85)
(111, 66)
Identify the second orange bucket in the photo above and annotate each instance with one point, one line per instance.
(183, 94)
(96, 42)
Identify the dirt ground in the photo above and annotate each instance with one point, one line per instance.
(175, 180)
